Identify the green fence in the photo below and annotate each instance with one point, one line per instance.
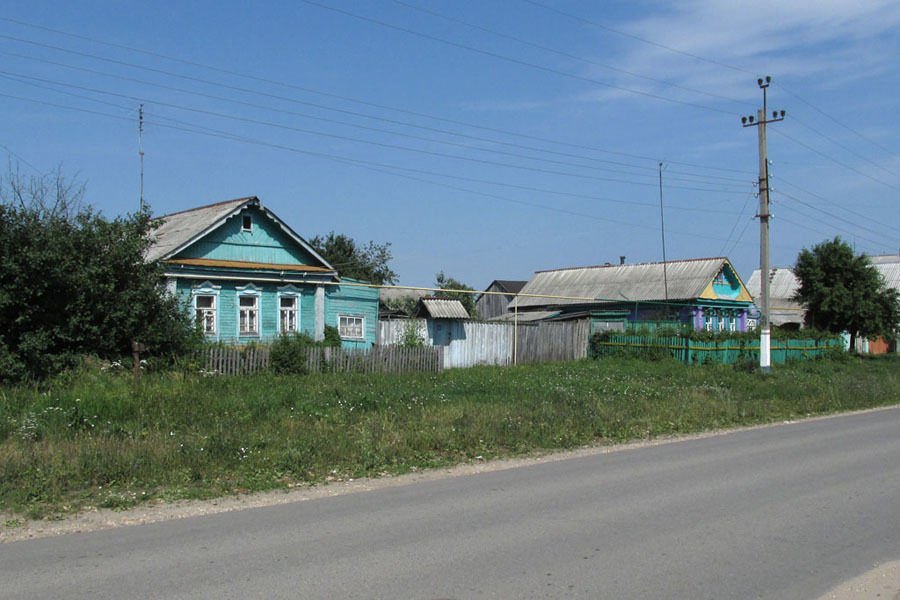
(720, 351)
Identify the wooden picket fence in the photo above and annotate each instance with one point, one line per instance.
(224, 360)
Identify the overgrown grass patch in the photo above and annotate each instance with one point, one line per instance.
(88, 438)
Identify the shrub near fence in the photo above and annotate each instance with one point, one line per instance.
(224, 360)
(726, 351)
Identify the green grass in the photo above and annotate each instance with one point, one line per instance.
(88, 439)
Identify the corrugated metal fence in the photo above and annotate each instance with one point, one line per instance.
(223, 360)
(469, 343)
(721, 351)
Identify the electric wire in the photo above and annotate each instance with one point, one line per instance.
(565, 54)
(375, 143)
(252, 77)
(696, 178)
(836, 161)
(513, 60)
(358, 162)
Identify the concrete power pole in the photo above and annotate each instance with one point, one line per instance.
(765, 332)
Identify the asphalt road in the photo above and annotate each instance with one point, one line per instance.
(777, 512)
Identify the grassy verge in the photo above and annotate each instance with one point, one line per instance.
(88, 439)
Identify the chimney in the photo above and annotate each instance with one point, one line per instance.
(621, 260)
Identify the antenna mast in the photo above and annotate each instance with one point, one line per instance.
(141, 150)
(662, 227)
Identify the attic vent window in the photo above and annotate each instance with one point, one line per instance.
(247, 223)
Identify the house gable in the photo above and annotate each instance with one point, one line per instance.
(265, 241)
(726, 285)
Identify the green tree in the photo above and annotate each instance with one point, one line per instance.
(448, 283)
(73, 282)
(844, 292)
(367, 262)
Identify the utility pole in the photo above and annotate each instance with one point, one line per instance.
(765, 333)
(141, 150)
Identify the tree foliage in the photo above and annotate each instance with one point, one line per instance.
(367, 262)
(448, 283)
(73, 282)
(844, 292)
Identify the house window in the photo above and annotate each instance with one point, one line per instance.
(288, 314)
(351, 327)
(248, 316)
(732, 324)
(720, 278)
(247, 223)
(205, 306)
(722, 321)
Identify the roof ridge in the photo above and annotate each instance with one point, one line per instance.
(610, 265)
(181, 212)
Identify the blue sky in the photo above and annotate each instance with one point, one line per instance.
(488, 139)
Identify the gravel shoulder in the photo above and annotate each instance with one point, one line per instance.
(15, 528)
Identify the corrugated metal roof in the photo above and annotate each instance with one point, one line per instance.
(441, 308)
(889, 267)
(783, 284)
(178, 229)
(686, 279)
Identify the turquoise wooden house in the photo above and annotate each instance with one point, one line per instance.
(700, 294)
(248, 277)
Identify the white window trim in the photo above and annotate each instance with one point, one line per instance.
(287, 291)
(243, 218)
(362, 319)
(207, 288)
(252, 291)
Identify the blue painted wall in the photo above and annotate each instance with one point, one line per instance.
(353, 301)
(266, 242)
(339, 300)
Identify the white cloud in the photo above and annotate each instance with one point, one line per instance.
(787, 38)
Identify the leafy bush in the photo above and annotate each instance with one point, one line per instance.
(289, 353)
(411, 338)
(73, 282)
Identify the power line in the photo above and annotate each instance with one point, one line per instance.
(837, 162)
(564, 53)
(371, 142)
(707, 60)
(843, 147)
(357, 162)
(512, 59)
(256, 78)
(696, 176)
(638, 38)
(847, 127)
(839, 205)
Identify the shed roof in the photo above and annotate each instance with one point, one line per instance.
(783, 285)
(508, 285)
(889, 267)
(440, 308)
(643, 282)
